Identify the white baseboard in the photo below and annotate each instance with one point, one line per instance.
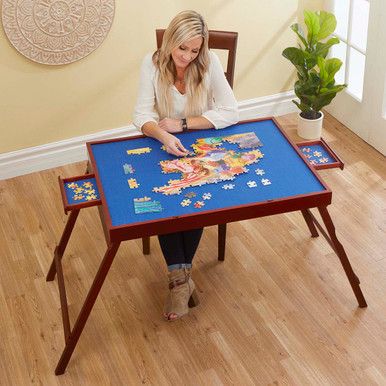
(267, 106)
(50, 155)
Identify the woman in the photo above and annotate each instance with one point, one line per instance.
(182, 87)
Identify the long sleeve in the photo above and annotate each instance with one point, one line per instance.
(223, 109)
(145, 108)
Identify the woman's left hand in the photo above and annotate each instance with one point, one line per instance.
(170, 125)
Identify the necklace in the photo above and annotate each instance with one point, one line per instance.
(179, 83)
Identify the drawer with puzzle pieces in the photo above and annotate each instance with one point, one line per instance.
(320, 155)
(79, 192)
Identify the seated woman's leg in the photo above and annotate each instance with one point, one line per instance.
(181, 286)
(172, 246)
(191, 239)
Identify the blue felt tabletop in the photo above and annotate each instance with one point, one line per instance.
(287, 174)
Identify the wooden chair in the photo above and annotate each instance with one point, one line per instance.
(219, 40)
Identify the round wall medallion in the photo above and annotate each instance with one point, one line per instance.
(57, 31)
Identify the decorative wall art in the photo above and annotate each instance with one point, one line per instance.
(57, 31)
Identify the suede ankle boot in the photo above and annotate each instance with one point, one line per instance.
(182, 294)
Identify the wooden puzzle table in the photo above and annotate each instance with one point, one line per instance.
(127, 169)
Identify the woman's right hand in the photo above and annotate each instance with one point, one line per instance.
(173, 145)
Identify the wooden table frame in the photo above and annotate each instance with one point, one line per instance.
(115, 235)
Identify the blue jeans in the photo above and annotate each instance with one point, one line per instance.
(179, 248)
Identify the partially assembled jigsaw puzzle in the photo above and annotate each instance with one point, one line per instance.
(211, 163)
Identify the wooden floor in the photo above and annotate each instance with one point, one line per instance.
(278, 311)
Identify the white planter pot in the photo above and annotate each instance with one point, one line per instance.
(310, 128)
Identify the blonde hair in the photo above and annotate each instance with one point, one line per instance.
(185, 26)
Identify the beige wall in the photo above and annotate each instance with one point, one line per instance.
(40, 104)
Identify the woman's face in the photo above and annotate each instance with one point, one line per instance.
(186, 52)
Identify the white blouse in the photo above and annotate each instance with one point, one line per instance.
(221, 109)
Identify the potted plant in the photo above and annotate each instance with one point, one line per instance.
(315, 86)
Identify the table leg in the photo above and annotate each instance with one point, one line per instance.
(311, 226)
(87, 307)
(146, 245)
(222, 234)
(339, 249)
(59, 250)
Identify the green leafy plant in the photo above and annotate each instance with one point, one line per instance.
(315, 86)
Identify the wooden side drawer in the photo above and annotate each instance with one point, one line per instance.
(79, 192)
(320, 155)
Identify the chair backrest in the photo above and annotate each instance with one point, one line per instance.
(219, 40)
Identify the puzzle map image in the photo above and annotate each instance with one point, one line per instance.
(211, 163)
(245, 163)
